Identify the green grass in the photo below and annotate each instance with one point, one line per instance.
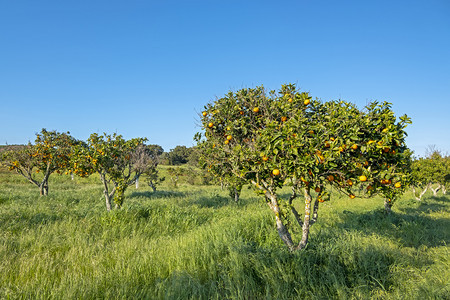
(193, 243)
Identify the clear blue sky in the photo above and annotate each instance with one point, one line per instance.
(146, 68)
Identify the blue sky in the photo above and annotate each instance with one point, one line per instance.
(146, 68)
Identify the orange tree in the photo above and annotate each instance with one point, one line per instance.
(112, 158)
(36, 162)
(431, 172)
(272, 139)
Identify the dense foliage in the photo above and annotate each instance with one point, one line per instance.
(271, 139)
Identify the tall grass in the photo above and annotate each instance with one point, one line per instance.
(194, 243)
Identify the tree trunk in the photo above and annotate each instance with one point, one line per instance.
(444, 190)
(137, 182)
(387, 206)
(283, 232)
(306, 221)
(435, 190)
(71, 175)
(108, 195)
(152, 185)
(43, 187)
(420, 195)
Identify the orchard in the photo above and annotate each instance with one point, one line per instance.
(284, 137)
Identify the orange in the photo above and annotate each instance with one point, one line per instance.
(330, 178)
(352, 196)
(229, 137)
(228, 128)
(256, 109)
(204, 113)
(317, 189)
(306, 102)
(210, 124)
(265, 158)
(290, 100)
(349, 182)
(362, 178)
(369, 187)
(241, 112)
(397, 184)
(354, 146)
(327, 145)
(276, 172)
(227, 142)
(283, 119)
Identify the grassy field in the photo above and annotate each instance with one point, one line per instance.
(193, 243)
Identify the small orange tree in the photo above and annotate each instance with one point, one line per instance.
(277, 138)
(110, 157)
(49, 154)
(431, 170)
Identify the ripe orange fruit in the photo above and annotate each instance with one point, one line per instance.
(276, 172)
(332, 139)
(354, 146)
(265, 158)
(290, 100)
(386, 150)
(311, 132)
(327, 145)
(362, 178)
(256, 109)
(241, 112)
(227, 142)
(330, 178)
(204, 113)
(352, 196)
(229, 137)
(283, 119)
(317, 189)
(210, 124)
(306, 102)
(349, 182)
(398, 184)
(320, 200)
(228, 128)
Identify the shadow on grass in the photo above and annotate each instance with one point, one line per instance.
(247, 271)
(412, 228)
(20, 221)
(215, 201)
(158, 194)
